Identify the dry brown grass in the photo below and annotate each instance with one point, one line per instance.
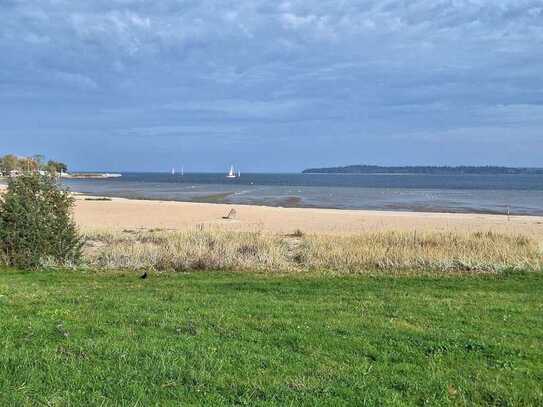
(243, 251)
(443, 252)
(184, 251)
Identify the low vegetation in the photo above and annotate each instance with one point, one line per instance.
(215, 249)
(262, 339)
(185, 251)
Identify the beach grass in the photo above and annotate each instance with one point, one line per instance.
(88, 338)
(391, 252)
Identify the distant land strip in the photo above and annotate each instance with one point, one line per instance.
(435, 170)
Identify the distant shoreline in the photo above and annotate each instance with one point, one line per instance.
(423, 170)
(93, 175)
(412, 173)
(79, 176)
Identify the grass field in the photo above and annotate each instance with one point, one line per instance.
(76, 338)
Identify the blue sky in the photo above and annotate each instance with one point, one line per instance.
(272, 85)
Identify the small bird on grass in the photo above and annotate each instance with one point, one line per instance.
(143, 276)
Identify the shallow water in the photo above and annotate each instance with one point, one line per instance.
(519, 194)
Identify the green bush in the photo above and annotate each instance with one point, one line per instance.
(36, 226)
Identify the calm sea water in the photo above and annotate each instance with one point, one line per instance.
(520, 194)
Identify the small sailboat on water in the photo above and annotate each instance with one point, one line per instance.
(232, 173)
(175, 173)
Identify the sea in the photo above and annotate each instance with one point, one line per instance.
(493, 194)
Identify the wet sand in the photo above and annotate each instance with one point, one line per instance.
(125, 214)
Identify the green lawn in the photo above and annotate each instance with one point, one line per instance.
(76, 338)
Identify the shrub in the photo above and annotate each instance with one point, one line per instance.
(36, 226)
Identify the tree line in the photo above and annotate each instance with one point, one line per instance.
(443, 170)
(10, 163)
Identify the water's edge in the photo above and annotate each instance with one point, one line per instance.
(516, 195)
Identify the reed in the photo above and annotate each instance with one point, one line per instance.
(210, 249)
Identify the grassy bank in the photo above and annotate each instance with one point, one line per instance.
(73, 338)
(236, 251)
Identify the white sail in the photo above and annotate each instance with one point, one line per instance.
(231, 173)
(173, 171)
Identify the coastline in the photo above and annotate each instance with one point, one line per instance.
(93, 213)
(130, 214)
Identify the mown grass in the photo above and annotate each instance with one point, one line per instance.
(385, 251)
(76, 338)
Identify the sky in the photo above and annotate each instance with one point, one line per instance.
(137, 85)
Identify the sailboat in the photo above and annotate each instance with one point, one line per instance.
(182, 171)
(173, 171)
(232, 173)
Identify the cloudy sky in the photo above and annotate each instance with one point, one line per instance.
(272, 85)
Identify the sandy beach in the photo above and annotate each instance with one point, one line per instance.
(125, 214)
(122, 214)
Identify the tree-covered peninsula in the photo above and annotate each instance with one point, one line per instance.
(433, 170)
